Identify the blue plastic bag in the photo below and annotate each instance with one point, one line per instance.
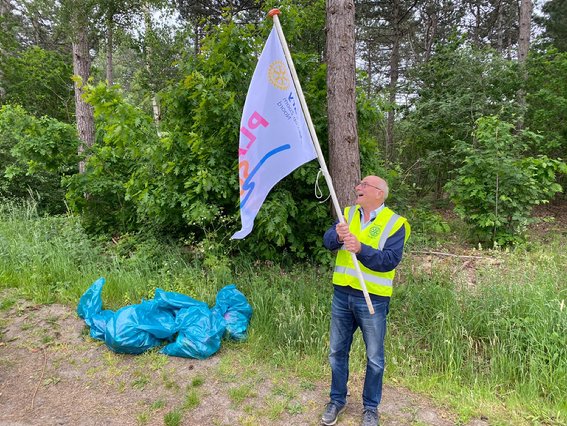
(98, 324)
(136, 328)
(200, 333)
(175, 301)
(188, 325)
(90, 309)
(90, 302)
(236, 311)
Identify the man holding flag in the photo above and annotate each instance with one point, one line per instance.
(376, 235)
(277, 136)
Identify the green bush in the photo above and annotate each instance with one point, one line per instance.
(496, 187)
(183, 182)
(35, 155)
(39, 80)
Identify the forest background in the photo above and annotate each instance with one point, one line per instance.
(125, 115)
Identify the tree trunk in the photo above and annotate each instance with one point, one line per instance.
(83, 111)
(523, 48)
(525, 29)
(197, 38)
(369, 71)
(477, 23)
(344, 153)
(433, 21)
(109, 47)
(392, 86)
(148, 50)
(5, 7)
(500, 28)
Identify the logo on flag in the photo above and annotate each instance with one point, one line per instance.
(278, 75)
(274, 136)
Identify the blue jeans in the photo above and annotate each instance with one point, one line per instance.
(348, 313)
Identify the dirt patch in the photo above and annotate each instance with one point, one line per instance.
(551, 219)
(52, 373)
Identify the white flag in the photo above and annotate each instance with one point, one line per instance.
(274, 137)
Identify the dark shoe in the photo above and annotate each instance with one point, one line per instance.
(331, 414)
(369, 417)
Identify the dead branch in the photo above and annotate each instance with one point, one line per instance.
(41, 378)
(438, 253)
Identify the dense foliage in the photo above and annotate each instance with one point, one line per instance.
(35, 155)
(164, 161)
(459, 85)
(496, 186)
(181, 181)
(40, 81)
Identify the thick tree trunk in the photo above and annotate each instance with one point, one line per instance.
(83, 111)
(344, 153)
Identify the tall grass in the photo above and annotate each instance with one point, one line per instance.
(51, 259)
(501, 341)
(507, 333)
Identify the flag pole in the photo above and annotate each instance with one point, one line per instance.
(274, 15)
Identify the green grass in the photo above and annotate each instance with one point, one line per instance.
(496, 347)
(192, 399)
(240, 393)
(504, 338)
(173, 418)
(197, 381)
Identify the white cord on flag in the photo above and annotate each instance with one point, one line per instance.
(318, 192)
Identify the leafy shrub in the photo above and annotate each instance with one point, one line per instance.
(40, 81)
(35, 154)
(183, 182)
(495, 188)
(123, 131)
(460, 84)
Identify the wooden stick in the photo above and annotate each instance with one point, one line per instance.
(438, 253)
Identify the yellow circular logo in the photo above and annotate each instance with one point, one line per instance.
(278, 75)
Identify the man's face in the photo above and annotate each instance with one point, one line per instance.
(368, 193)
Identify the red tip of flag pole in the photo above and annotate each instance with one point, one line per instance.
(273, 12)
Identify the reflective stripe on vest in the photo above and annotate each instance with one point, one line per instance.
(367, 277)
(387, 230)
(351, 214)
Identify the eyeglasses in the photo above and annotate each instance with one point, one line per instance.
(365, 184)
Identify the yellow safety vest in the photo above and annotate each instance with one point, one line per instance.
(375, 234)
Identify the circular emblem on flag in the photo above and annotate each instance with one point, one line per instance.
(374, 231)
(278, 75)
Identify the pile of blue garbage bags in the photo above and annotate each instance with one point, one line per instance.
(187, 327)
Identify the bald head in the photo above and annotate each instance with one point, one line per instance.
(371, 192)
(379, 183)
